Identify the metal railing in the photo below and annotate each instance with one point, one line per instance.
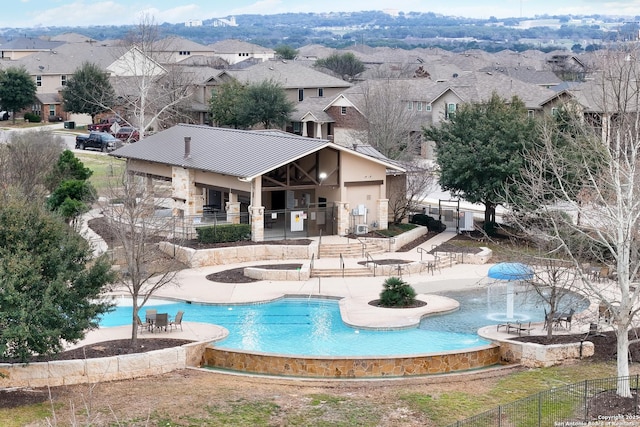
(369, 258)
(573, 404)
(311, 265)
(363, 244)
(342, 265)
(422, 251)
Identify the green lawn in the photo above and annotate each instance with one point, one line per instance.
(107, 170)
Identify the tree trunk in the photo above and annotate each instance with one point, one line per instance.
(622, 347)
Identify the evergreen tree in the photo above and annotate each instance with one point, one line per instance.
(88, 91)
(17, 90)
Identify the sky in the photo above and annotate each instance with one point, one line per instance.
(37, 13)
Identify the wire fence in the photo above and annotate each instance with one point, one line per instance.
(588, 403)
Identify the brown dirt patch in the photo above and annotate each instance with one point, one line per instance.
(417, 303)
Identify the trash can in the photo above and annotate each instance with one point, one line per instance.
(69, 125)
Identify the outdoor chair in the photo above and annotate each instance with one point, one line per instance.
(150, 315)
(177, 321)
(162, 321)
(566, 318)
(141, 325)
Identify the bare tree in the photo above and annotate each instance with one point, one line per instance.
(590, 170)
(26, 160)
(150, 87)
(137, 230)
(407, 192)
(388, 124)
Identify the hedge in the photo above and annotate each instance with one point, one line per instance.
(223, 233)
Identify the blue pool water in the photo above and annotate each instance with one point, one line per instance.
(308, 326)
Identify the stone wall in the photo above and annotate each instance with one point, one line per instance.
(534, 355)
(84, 371)
(229, 255)
(275, 274)
(349, 367)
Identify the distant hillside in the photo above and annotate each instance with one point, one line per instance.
(376, 28)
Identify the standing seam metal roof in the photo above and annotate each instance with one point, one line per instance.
(244, 154)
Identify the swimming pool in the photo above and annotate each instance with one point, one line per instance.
(310, 326)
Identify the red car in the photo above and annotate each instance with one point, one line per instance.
(128, 134)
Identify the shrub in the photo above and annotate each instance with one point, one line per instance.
(430, 222)
(397, 293)
(32, 118)
(223, 233)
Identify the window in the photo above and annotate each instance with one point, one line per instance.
(52, 110)
(530, 113)
(451, 111)
(63, 80)
(428, 108)
(409, 105)
(320, 92)
(300, 94)
(419, 106)
(343, 110)
(184, 52)
(38, 81)
(297, 128)
(554, 111)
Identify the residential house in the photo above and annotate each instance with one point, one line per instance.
(52, 68)
(305, 186)
(25, 46)
(177, 49)
(234, 51)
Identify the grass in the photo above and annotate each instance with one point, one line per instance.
(24, 415)
(333, 407)
(396, 229)
(107, 170)
(439, 407)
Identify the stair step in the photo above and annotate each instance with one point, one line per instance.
(338, 272)
(347, 250)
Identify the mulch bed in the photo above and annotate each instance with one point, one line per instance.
(236, 275)
(604, 344)
(417, 303)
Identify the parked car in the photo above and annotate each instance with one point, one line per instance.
(105, 124)
(101, 140)
(4, 115)
(128, 134)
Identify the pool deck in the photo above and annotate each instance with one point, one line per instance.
(354, 292)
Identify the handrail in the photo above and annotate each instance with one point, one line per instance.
(367, 257)
(320, 238)
(342, 265)
(311, 265)
(421, 251)
(364, 245)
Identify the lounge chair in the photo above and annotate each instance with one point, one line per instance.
(150, 315)
(177, 321)
(162, 321)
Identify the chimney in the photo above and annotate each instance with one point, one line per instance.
(187, 147)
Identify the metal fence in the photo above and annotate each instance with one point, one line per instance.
(577, 404)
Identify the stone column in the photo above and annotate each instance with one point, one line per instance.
(383, 214)
(187, 198)
(233, 209)
(257, 223)
(343, 217)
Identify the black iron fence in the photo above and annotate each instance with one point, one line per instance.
(588, 403)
